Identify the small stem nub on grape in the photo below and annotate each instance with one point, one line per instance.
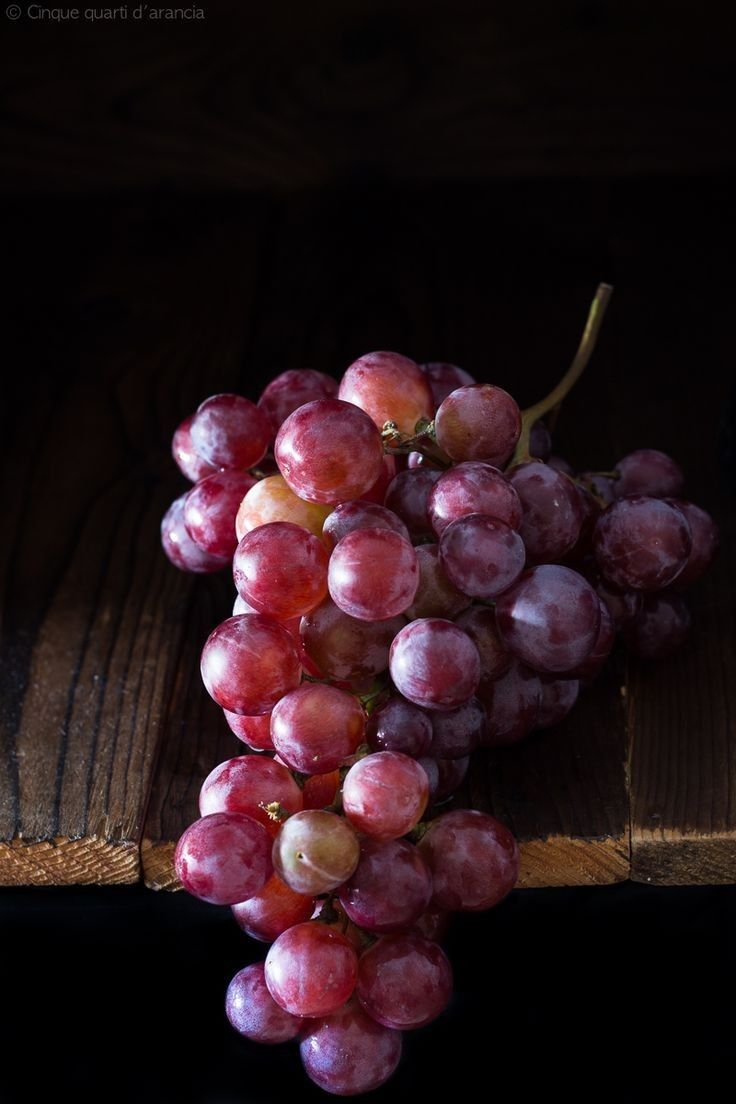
(275, 810)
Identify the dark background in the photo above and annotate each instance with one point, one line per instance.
(416, 171)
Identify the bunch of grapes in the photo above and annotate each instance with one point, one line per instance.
(417, 576)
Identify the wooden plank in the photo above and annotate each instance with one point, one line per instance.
(92, 621)
(245, 99)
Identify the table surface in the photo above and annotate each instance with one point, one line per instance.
(128, 311)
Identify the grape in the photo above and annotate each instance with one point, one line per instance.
(290, 390)
(273, 910)
(385, 794)
(434, 664)
(450, 774)
(601, 485)
(329, 451)
(311, 969)
(479, 622)
(408, 496)
(473, 858)
(373, 574)
(558, 698)
(421, 460)
(179, 547)
(641, 543)
(404, 981)
(436, 596)
(540, 441)
(321, 790)
(399, 726)
(224, 858)
(511, 703)
(360, 514)
(591, 512)
(281, 569)
(623, 605)
(189, 462)
(473, 488)
(391, 886)
(348, 1053)
(456, 734)
(558, 464)
(601, 650)
(229, 431)
(553, 511)
(377, 492)
(254, 1013)
(246, 785)
(444, 378)
(433, 923)
(390, 388)
(248, 663)
(661, 627)
(317, 727)
(482, 556)
(253, 731)
(432, 771)
(478, 422)
(315, 852)
(345, 648)
(705, 541)
(272, 499)
(210, 509)
(648, 472)
(550, 618)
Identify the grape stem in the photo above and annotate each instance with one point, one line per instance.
(580, 361)
(396, 443)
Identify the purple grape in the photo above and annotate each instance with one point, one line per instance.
(456, 734)
(642, 543)
(540, 441)
(473, 488)
(705, 541)
(254, 1013)
(450, 774)
(481, 556)
(179, 547)
(511, 703)
(661, 627)
(434, 664)
(316, 727)
(188, 460)
(478, 422)
(601, 485)
(558, 698)
(648, 472)
(408, 496)
(399, 726)
(559, 464)
(479, 622)
(348, 1053)
(473, 858)
(436, 596)
(623, 605)
(404, 981)
(390, 889)
(360, 514)
(553, 511)
(292, 389)
(601, 650)
(444, 378)
(229, 431)
(344, 648)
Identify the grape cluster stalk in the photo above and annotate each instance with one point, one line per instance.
(417, 576)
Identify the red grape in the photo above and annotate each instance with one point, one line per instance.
(373, 574)
(436, 596)
(272, 499)
(391, 886)
(479, 622)
(377, 492)
(254, 1013)
(444, 378)
(348, 1053)
(399, 726)
(433, 923)
(482, 556)
(315, 852)
(229, 431)
(360, 514)
(456, 734)
(292, 389)
(246, 785)
(390, 388)
(321, 790)
(181, 549)
(344, 648)
(705, 541)
(404, 981)
(478, 422)
(642, 543)
(273, 910)
(473, 488)
(210, 509)
(661, 627)
(188, 460)
(648, 472)
(385, 794)
(553, 510)
(248, 663)
(224, 858)
(434, 664)
(408, 496)
(253, 731)
(317, 727)
(450, 774)
(558, 698)
(511, 703)
(281, 569)
(311, 969)
(473, 858)
(601, 650)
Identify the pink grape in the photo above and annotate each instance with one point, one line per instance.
(648, 472)
(321, 790)
(436, 596)
(404, 981)
(329, 451)
(317, 727)
(661, 627)
(373, 574)
(473, 488)
(552, 510)
(360, 514)
(224, 858)
(292, 389)
(344, 648)
(540, 441)
(408, 496)
(247, 784)
(642, 543)
(253, 731)
(456, 734)
(398, 725)
(705, 541)
(311, 969)
(511, 703)
(558, 698)
(248, 663)
(385, 794)
(481, 555)
(391, 886)
(434, 664)
(188, 460)
(315, 852)
(254, 1013)
(390, 388)
(229, 431)
(450, 775)
(179, 547)
(479, 622)
(210, 509)
(273, 910)
(550, 619)
(473, 858)
(281, 569)
(272, 499)
(478, 422)
(601, 650)
(444, 378)
(377, 492)
(348, 1053)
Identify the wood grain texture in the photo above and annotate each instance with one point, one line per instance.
(256, 97)
(92, 613)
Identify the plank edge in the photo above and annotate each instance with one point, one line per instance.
(61, 861)
(685, 860)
